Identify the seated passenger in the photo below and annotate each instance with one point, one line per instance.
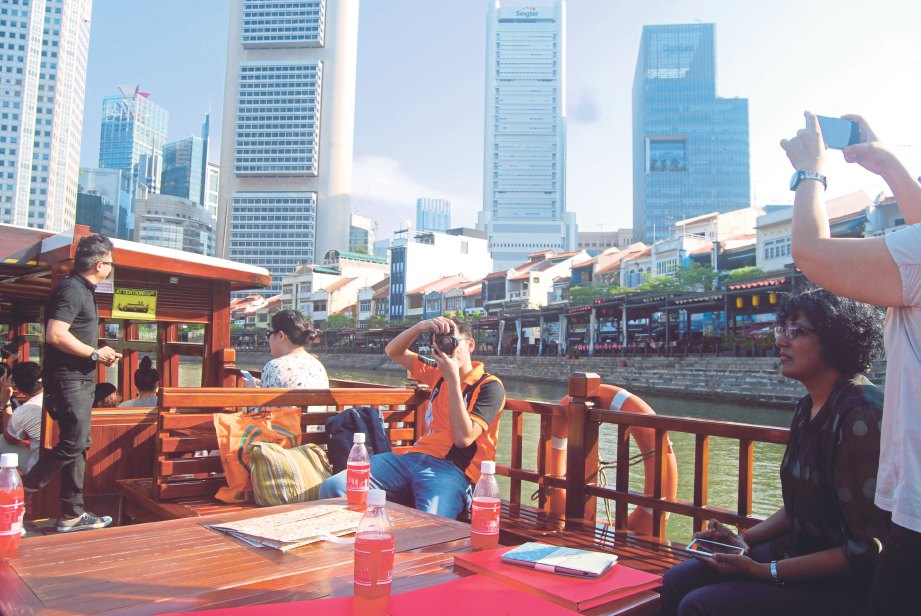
(106, 396)
(461, 425)
(817, 553)
(25, 423)
(293, 367)
(147, 381)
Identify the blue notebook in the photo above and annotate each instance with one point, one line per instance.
(555, 559)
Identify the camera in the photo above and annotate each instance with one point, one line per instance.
(446, 343)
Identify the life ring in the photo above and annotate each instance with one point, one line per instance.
(619, 399)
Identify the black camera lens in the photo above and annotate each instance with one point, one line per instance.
(446, 343)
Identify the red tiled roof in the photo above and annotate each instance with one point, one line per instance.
(338, 284)
(477, 290)
(441, 284)
(494, 275)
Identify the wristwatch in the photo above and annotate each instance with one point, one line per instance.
(94, 355)
(799, 176)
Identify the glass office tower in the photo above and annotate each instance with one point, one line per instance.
(524, 173)
(690, 147)
(132, 136)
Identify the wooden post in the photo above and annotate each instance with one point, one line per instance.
(701, 477)
(582, 452)
(746, 462)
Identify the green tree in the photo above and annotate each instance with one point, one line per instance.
(335, 321)
(376, 321)
(744, 272)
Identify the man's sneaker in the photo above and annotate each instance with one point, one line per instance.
(85, 521)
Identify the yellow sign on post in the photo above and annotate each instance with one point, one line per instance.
(137, 304)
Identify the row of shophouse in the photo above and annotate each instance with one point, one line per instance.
(426, 274)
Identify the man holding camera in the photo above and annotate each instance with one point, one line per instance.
(461, 424)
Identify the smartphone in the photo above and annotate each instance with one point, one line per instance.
(706, 548)
(838, 133)
(247, 375)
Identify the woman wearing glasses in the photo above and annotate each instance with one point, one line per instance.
(817, 553)
(292, 367)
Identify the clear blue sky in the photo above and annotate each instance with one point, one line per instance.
(419, 108)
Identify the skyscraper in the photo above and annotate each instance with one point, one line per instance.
(43, 56)
(289, 109)
(132, 136)
(433, 214)
(182, 169)
(524, 174)
(690, 147)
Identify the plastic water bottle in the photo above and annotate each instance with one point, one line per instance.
(484, 523)
(12, 505)
(358, 472)
(374, 546)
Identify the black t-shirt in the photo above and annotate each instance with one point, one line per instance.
(72, 301)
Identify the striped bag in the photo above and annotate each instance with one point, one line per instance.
(281, 476)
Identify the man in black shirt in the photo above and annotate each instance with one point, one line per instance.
(70, 358)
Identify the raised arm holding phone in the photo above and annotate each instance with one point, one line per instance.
(885, 271)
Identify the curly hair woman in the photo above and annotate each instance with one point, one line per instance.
(816, 555)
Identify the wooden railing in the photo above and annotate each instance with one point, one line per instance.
(584, 419)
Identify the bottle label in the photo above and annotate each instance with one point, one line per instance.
(11, 517)
(358, 477)
(485, 516)
(373, 562)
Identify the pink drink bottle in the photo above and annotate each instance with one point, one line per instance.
(484, 523)
(358, 472)
(12, 505)
(374, 546)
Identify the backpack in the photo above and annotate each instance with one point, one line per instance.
(341, 428)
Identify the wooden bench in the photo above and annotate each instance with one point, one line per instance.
(184, 483)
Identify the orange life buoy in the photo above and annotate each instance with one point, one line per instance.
(619, 399)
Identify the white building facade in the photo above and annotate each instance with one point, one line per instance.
(417, 258)
(43, 57)
(289, 109)
(524, 172)
(174, 222)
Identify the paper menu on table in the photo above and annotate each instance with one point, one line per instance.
(290, 529)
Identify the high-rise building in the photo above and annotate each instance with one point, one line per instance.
(433, 214)
(289, 109)
(211, 187)
(524, 174)
(690, 147)
(174, 222)
(361, 234)
(43, 56)
(114, 186)
(185, 166)
(132, 136)
(182, 168)
(98, 213)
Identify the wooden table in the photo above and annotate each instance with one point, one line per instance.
(183, 565)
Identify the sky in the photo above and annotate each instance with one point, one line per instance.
(420, 89)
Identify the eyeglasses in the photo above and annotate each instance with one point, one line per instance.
(270, 332)
(109, 263)
(790, 332)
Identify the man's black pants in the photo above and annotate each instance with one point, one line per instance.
(70, 403)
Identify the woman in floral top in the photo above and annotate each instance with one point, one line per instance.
(816, 554)
(293, 367)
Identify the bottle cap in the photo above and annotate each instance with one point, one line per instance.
(377, 498)
(9, 460)
(358, 437)
(488, 467)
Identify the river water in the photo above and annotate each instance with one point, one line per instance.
(723, 480)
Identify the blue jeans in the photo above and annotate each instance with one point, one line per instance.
(693, 588)
(415, 480)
